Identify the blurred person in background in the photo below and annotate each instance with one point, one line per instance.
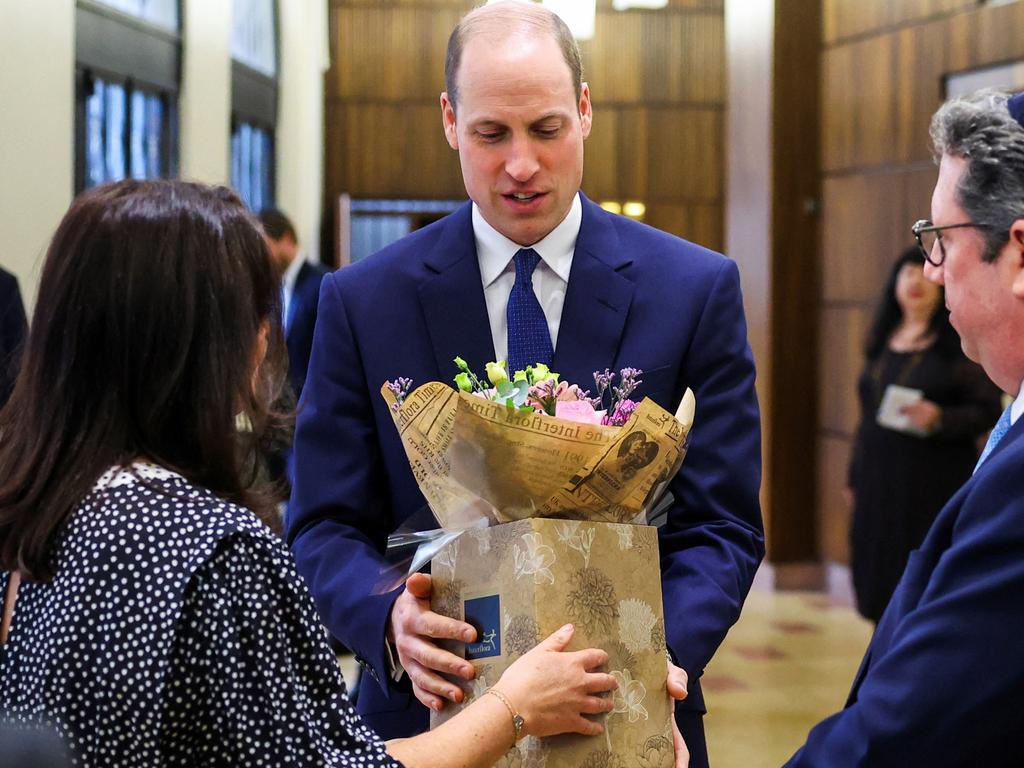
(907, 463)
(300, 292)
(13, 327)
(149, 616)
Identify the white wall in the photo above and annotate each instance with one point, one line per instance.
(36, 131)
(205, 97)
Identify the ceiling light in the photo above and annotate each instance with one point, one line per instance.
(634, 209)
(579, 15)
(625, 5)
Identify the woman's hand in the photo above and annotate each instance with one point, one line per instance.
(924, 415)
(553, 689)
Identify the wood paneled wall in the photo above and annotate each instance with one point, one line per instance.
(656, 79)
(882, 76)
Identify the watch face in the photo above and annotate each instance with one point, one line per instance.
(518, 722)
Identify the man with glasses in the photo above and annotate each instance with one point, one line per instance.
(941, 681)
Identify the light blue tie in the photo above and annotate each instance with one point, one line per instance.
(529, 338)
(998, 431)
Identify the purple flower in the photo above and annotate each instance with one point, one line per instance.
(621, 415)
(400, 389)
(629, 379)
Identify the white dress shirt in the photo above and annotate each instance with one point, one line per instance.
(550, 278)
(288, 286)
(1017, 406)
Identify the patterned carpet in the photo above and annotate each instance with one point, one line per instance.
(787, 664)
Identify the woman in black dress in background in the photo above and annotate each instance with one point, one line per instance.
(900, 478)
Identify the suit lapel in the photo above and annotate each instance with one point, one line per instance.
(452, 298)
(596, 302)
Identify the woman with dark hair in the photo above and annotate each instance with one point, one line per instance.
(157, 621)
(923, 407)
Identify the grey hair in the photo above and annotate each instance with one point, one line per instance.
(980, 129)
(503, 19)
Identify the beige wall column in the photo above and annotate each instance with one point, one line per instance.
(300, 118)
(205, 99)
(37, 98)
(749, 34)
(772, 52)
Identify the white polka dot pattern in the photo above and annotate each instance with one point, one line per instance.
(177, 632)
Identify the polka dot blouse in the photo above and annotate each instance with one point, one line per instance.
(177, 632)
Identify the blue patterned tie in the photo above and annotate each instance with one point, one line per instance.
(529, 339)
(1001, 428)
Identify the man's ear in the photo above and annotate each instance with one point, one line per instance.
(448, 120)
(1016, 253)
(586, 110)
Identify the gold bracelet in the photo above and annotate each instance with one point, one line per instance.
(517, 719)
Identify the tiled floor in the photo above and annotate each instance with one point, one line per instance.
(787, 664)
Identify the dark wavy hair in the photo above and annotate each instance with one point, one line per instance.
(143, 344)
(888, 314)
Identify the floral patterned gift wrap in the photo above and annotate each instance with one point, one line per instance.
(519, 582)
(537, 488)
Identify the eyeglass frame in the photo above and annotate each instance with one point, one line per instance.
(924, 225)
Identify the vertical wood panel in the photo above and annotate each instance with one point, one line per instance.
(833, 512)
(842, 337)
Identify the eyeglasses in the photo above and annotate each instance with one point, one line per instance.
(927, 235)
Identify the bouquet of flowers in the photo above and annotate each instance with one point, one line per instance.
(506, 447)
(538, 389)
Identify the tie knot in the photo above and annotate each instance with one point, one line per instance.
(526, 260)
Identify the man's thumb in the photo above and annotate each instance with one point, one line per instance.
(418, 585)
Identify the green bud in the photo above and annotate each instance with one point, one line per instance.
(520, 376)
(496, 373)
(463, 383)
(463, 365)
(539, 372)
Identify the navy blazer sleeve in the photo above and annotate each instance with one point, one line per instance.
(344, 525)
(945, 688)
(713, 540)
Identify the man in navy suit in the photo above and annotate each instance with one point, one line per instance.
(13, 327)
(300, 291)
(594, 291)
(941, 682)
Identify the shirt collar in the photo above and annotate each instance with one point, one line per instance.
(495, 251)
(1017, 407)
(292, 273)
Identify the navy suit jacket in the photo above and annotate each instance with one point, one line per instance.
(636, 297)
(941, 682)
(302, 321)
(13, 327)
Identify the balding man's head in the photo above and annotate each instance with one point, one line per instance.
(502, 20)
